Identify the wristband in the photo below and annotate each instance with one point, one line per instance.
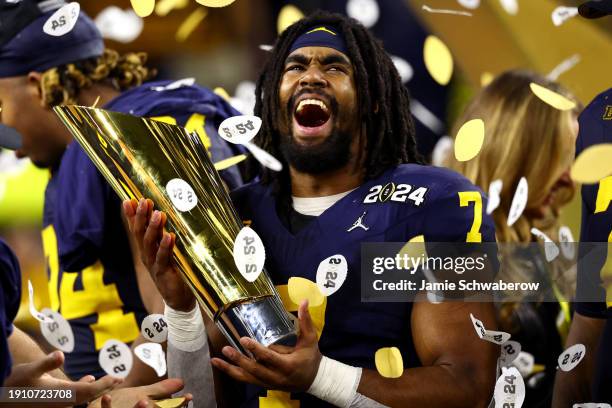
(186, 330)
(335, 382)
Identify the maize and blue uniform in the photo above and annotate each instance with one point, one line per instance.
(406, 201)
(596, 128)
(91, 274)
(10, 296)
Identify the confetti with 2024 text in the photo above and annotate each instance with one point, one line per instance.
(58, 333)
(331, 274)
(249, 254)
(497, 337)
(63, 20)
(116, 358)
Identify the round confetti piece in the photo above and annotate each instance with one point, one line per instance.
(170, 403)
(215, 3)
(524, 363)
(143, 8)
(331, 274)
(181, 194)
(486, 78)
(511, 6)
(63, 20)
(302, 288)
(567, 243)
(249, 254)
(366, 12)
(519, 201)
(469, 139)
(120, 25)
(509, 389)
(471, 4)
(495, 189)
(58, 332)
(152, 355)
(561, 14)
(239, 129)
(404, 69)
(389, 362)
(571, 357)
(552, 98)
(288, 15)
(551, 250)
(154, 328)
(593, 164)
(115, 358)
(438, 60)
(509, 352)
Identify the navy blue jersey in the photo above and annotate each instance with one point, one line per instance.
(594, 276)
(595, 128)
(90, 265)
(406, 201)
(10, 294)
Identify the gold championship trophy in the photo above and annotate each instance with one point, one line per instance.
(145, 158)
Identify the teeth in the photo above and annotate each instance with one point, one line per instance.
(317, 102)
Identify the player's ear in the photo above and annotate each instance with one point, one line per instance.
(34, 86)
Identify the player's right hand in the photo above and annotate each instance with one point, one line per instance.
(141, 397)
(155, 246)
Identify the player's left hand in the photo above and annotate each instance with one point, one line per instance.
(276, 367)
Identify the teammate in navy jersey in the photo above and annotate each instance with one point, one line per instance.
(93, 279)
(592, 322)
(335, 111)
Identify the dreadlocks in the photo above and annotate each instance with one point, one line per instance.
(383, 102)
(61, 85)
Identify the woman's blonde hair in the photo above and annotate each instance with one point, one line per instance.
(524, 137)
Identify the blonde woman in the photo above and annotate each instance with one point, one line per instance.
(525, 137)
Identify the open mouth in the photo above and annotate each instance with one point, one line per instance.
(312, 113)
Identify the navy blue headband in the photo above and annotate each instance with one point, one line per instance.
(320, 36)
(34, 50)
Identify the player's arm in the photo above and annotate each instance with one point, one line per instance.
(575, 385)
(458, 368)
(25, 350)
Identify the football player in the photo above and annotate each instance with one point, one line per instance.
(335, 111)
(592, 322)
(94, 281)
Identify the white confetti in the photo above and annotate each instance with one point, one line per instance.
(265, 158)
(551, 250)
(442, 151)
(366, 12)
(119, 25)
(519, 201)
(446, 11)
(563, 67)
(174, 85)
(561, 14)
(511, 6)
(249, 254)
(426, 117)
(403, 67)
(116, 358)
(592, 405)
(509, 352)
(240, 129)
(181, 194)
(33, 311)
(266, 47)
(58, 333)
(571, 357)
(524, 363)
(154, 328)
(152, 355)
(495, 189)
(331, 274)
(63, 20)
(567, 243)
(471, 4)
(509, 389)
(493, 336)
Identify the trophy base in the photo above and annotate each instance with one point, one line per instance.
(259, 320)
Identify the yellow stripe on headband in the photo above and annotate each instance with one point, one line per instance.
(321, 29)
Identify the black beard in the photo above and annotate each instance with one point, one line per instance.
(331, 154)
